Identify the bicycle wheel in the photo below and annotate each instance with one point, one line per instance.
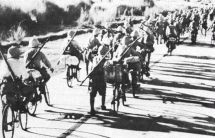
(69, 76)
(212, 40)
(32, 107)
(78, 75)
(123, 96)
(23, 120)
(47, 97)
(118, 98)
(8, 122)
(114, 100)
(134, 82)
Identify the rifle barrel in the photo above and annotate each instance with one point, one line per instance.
(35, 54)
(8, 65)
(96, 66)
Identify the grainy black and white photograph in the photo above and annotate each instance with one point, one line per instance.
(107, 68)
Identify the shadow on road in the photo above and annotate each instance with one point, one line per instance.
(198, 44)
(137, 122)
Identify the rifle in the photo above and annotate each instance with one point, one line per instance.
(68, 44)
(35, 54)
(129, 47)
(96, 66)
(13, 76)
(141, 27)
(102, 27)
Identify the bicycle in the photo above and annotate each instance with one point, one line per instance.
(36, 82)
(115, 74)
(118, 92)
(133, 73)
(32, 106)
(14, 113)
(73, 71)
(171, 44)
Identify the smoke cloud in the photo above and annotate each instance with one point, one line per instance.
(38, 5)
(25, 5)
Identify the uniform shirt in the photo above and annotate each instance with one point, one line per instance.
(100, 38)
(36, 63)
(138, 43)
(16, 65)
(69, 60)
(165, 24)
(98, 73)
(171, 30)
(93, 41)
(213, 27)
(108, 38)
(72, 43)
(159, 26)
(117, 38)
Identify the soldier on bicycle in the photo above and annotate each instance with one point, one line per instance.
(10, 87)
(72, 51)
(36, 62)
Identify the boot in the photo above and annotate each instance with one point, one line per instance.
(92, 110)
(103, 107)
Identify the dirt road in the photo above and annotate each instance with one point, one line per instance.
(176, 101)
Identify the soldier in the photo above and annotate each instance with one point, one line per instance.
(117, 38)
(72, 51)
(159, 29)
(212, 27)
(93, 41)
(36, 63)
(127, 27)
(134, 36)
(101, 35)
(171, 32)
(97, 80)
(92, 48)
(8, 86)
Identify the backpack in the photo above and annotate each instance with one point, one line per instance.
(71, 50)
(100, 67)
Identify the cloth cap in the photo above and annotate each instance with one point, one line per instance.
(95, 31)
(125, 40)
(135, 34)
(13, 52)
(70, 33)
(107, 41)
(107, 25)
(102, 50)
(126, 24)
(33, 42)
(120, 29)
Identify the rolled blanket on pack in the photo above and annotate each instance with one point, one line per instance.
(133, 62)
(132, 59)
(69, 60)
(32, 77)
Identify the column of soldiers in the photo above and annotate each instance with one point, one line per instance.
(103, 41)
(179, 22)
(154, 27)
